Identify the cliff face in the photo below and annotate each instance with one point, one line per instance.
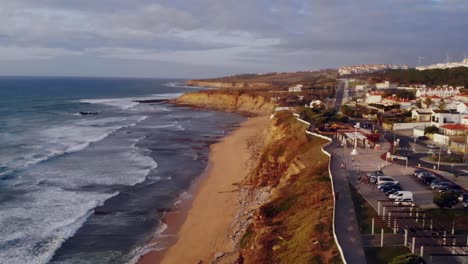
(296, 225)
(237, 101)
(222, 84)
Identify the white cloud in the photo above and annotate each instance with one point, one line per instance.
(17, 53)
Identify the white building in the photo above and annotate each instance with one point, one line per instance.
(384, 85)
(442, 117)
(443, 92)
(360, 87)
(447, 65)
(462, 107)
(404, 103)
(374, 98)
(295, 89)
(421, 115)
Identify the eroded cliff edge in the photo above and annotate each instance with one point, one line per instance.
(295, 224)
(229, 100)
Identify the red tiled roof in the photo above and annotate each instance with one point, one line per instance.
(455, 127)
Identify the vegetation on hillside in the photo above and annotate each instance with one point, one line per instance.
(454, 76)
(310, 80)
(296, 226)
(408, 259)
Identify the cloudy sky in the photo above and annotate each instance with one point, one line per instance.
(202, 38)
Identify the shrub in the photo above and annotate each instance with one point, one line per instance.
(445, 199)
(408, 259)
(431, 130)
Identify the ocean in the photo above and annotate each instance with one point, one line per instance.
(86, 172)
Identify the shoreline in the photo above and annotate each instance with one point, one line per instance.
(195, 231)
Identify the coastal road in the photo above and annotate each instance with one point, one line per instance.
(340, 90)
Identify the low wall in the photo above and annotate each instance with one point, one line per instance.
(441, 139)
(403, 126)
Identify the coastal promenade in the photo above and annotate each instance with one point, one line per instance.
(346, 224)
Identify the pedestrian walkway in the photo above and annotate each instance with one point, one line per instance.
(346, 224)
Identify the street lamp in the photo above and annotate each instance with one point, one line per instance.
(414, 146)
(438, 161)
(355, 152)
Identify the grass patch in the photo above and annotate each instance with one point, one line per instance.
(364, 212)
(383, 254)
(447, 216)
(246, 238)
(276, 207)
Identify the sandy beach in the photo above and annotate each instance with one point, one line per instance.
(209, 221)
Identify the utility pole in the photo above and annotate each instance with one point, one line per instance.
(438, 161)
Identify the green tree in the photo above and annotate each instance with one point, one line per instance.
(418, 104)
(445, 199)
(408, 259)
(428, 102)
(431, 130)
(442, 104)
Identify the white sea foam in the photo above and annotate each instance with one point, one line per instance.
(183, 85)
(36, 226)
(68, 138)
(129, 102)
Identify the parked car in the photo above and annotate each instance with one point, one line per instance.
(390, 188)
(423, 138)
(387, 184)
(465, 203)
(382, 179)
(401, 195)
(404, 201)
(417, 171)
(428, 179)
(432, 146)
(436, 185)
(373, 175)
(425, 173)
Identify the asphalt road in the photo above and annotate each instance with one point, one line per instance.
(339, 94)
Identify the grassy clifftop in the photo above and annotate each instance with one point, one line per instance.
(296, 226)
(322, 78)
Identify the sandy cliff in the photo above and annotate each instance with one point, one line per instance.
(224, 100)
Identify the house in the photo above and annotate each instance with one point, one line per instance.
(461, 98)
(442, 117)
(434, 99)
(384, 85)
(421, 115)
(462, 107)
(374, 97)
(360, 87)
(443, 92)
(296, 89)
(454, 129)
(403, 102)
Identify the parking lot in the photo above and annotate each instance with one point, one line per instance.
(422, 195)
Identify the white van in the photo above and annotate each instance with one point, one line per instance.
(401, 195)
(382, 179)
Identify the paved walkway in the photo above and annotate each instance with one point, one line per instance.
(346, 224)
